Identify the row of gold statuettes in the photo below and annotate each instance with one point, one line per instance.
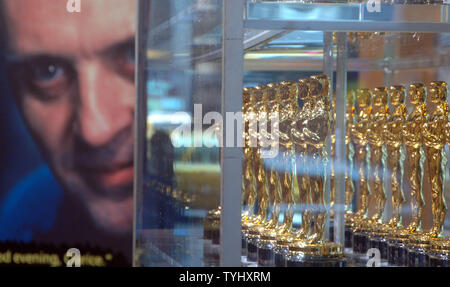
(396, 140)
(377, 122)
(295, 178)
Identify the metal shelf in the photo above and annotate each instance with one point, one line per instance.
(347, 26)
(315, 63)
(252, 38)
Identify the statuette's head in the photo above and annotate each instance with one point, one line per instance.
(271, 91)
(315, 88)
(303, 89)
(380, 97)
(287, 90)
(438, 92)
(258, 94)
(363, 97)
(417, 93)
(397, 95)
(251, 95)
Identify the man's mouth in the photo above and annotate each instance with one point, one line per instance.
(116, 178)
(111, 177)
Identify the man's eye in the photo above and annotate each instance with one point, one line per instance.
(46, 77)
(45, 73)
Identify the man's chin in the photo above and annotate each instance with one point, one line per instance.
(113, 216)
(110, 207)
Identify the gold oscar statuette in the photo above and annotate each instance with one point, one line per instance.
(316, 132)
(256, 226)
(301, 158)
(271, 164)
(434, 141)
(248, 192)
(251, 155)
(378, 120)
(393, 136)
(262, 189)
(415, 157)
(359, 138)
(288, 97)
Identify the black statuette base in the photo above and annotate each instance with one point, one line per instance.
(348, 237)
(243, 247)
(266, 257)
(380, 244)
(252, 252)
(280, 260)
(397, 254)
(417, 258)
(360, 242)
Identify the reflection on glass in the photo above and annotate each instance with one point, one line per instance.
(177, 213)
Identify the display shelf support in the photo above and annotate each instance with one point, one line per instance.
(341, 100)
(140, 121)
(389, 80)
(327, 69)
(231, 157)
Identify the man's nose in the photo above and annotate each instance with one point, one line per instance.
(105, 103)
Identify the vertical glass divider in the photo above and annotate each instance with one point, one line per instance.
(140, 122)
(388, 73)
(231, 157)
(341, 99)
(328, 68)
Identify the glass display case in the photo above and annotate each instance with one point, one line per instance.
(292, 133)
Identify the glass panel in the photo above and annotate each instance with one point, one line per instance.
(181, 178)
(343, 141)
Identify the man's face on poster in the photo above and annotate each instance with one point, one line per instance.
(73, 77)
